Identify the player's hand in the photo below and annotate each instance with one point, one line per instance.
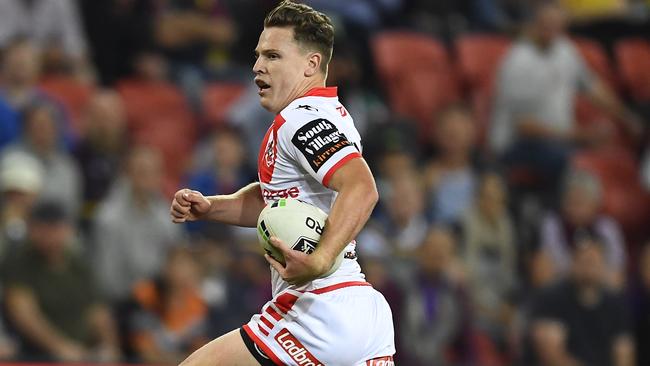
(299, 268)
(189, 205)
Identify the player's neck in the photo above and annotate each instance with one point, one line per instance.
(305, 87)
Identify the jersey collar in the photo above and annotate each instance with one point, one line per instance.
(330, 91)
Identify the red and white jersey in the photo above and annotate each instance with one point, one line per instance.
(307, 142)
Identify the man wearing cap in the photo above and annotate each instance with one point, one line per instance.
(21, 180)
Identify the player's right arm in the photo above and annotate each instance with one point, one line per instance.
(241, 208)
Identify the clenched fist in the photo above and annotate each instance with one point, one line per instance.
(189, 205)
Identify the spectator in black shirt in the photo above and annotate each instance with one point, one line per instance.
(579, 322)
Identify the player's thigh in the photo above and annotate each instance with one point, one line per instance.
(227, 350)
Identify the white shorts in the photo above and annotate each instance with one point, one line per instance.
(346, 324)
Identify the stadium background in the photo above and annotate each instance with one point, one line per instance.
(108, 106)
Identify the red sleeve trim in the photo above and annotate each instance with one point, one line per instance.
(263, 346)
(339, 164)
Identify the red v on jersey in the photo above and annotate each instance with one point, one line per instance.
(269, 151)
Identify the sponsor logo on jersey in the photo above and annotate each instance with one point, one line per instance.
(270, 194)
(295, 349)
(381, 361)
(318, 141)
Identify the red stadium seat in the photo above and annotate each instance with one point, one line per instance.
(624, 198)
(633, 59)
(597, 60)
(479, 59)
(158, 115)
(417, 73)
(217, 100)
(73, 95)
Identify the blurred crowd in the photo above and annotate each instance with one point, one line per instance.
(509, 141)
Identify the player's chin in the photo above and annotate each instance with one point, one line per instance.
(265, 102)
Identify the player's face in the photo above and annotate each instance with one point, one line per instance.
(280, 68)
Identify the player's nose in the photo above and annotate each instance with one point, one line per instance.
(258, 66)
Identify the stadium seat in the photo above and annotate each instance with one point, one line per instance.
(158, 115)
(479, 58)
(597, 60)
(217, 100)
(73, 95)
(417, 73)
(624, 198)
(633, 59)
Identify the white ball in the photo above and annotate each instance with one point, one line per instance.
(297, 224)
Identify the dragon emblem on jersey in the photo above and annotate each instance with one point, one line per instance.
(269, 151)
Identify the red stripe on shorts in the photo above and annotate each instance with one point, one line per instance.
(266, 322)
(273, 313)
(285, 302)
(262, 330)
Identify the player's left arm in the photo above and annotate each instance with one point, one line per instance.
(357, 196)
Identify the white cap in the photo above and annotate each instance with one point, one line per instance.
(21, 172)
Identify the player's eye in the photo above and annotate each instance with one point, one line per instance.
(273, 56)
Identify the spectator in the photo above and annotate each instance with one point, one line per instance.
(434, 325)
(19, 75)
(224, 167)
(490, 257)
(117, 32)
(399, 226)
(132, 230)
(500, 15)
(445, 19)
(533, 122)
(642, 308)
(9, 123)
(51, 299)
(21, 69)
(100, 151)
(580, 218)
(21, 181)
(579, 321)
(196, 38)
(41, 140)
(172, 318)
(53, 26)
(450, 176)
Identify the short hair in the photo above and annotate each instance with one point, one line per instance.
(311, 28)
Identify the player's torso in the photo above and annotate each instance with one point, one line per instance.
(309, 134)
(322, 121)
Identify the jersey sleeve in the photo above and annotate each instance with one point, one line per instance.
(319, 146)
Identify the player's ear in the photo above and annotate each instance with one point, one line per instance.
(313, 64)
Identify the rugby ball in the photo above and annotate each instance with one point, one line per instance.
(296, 223)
